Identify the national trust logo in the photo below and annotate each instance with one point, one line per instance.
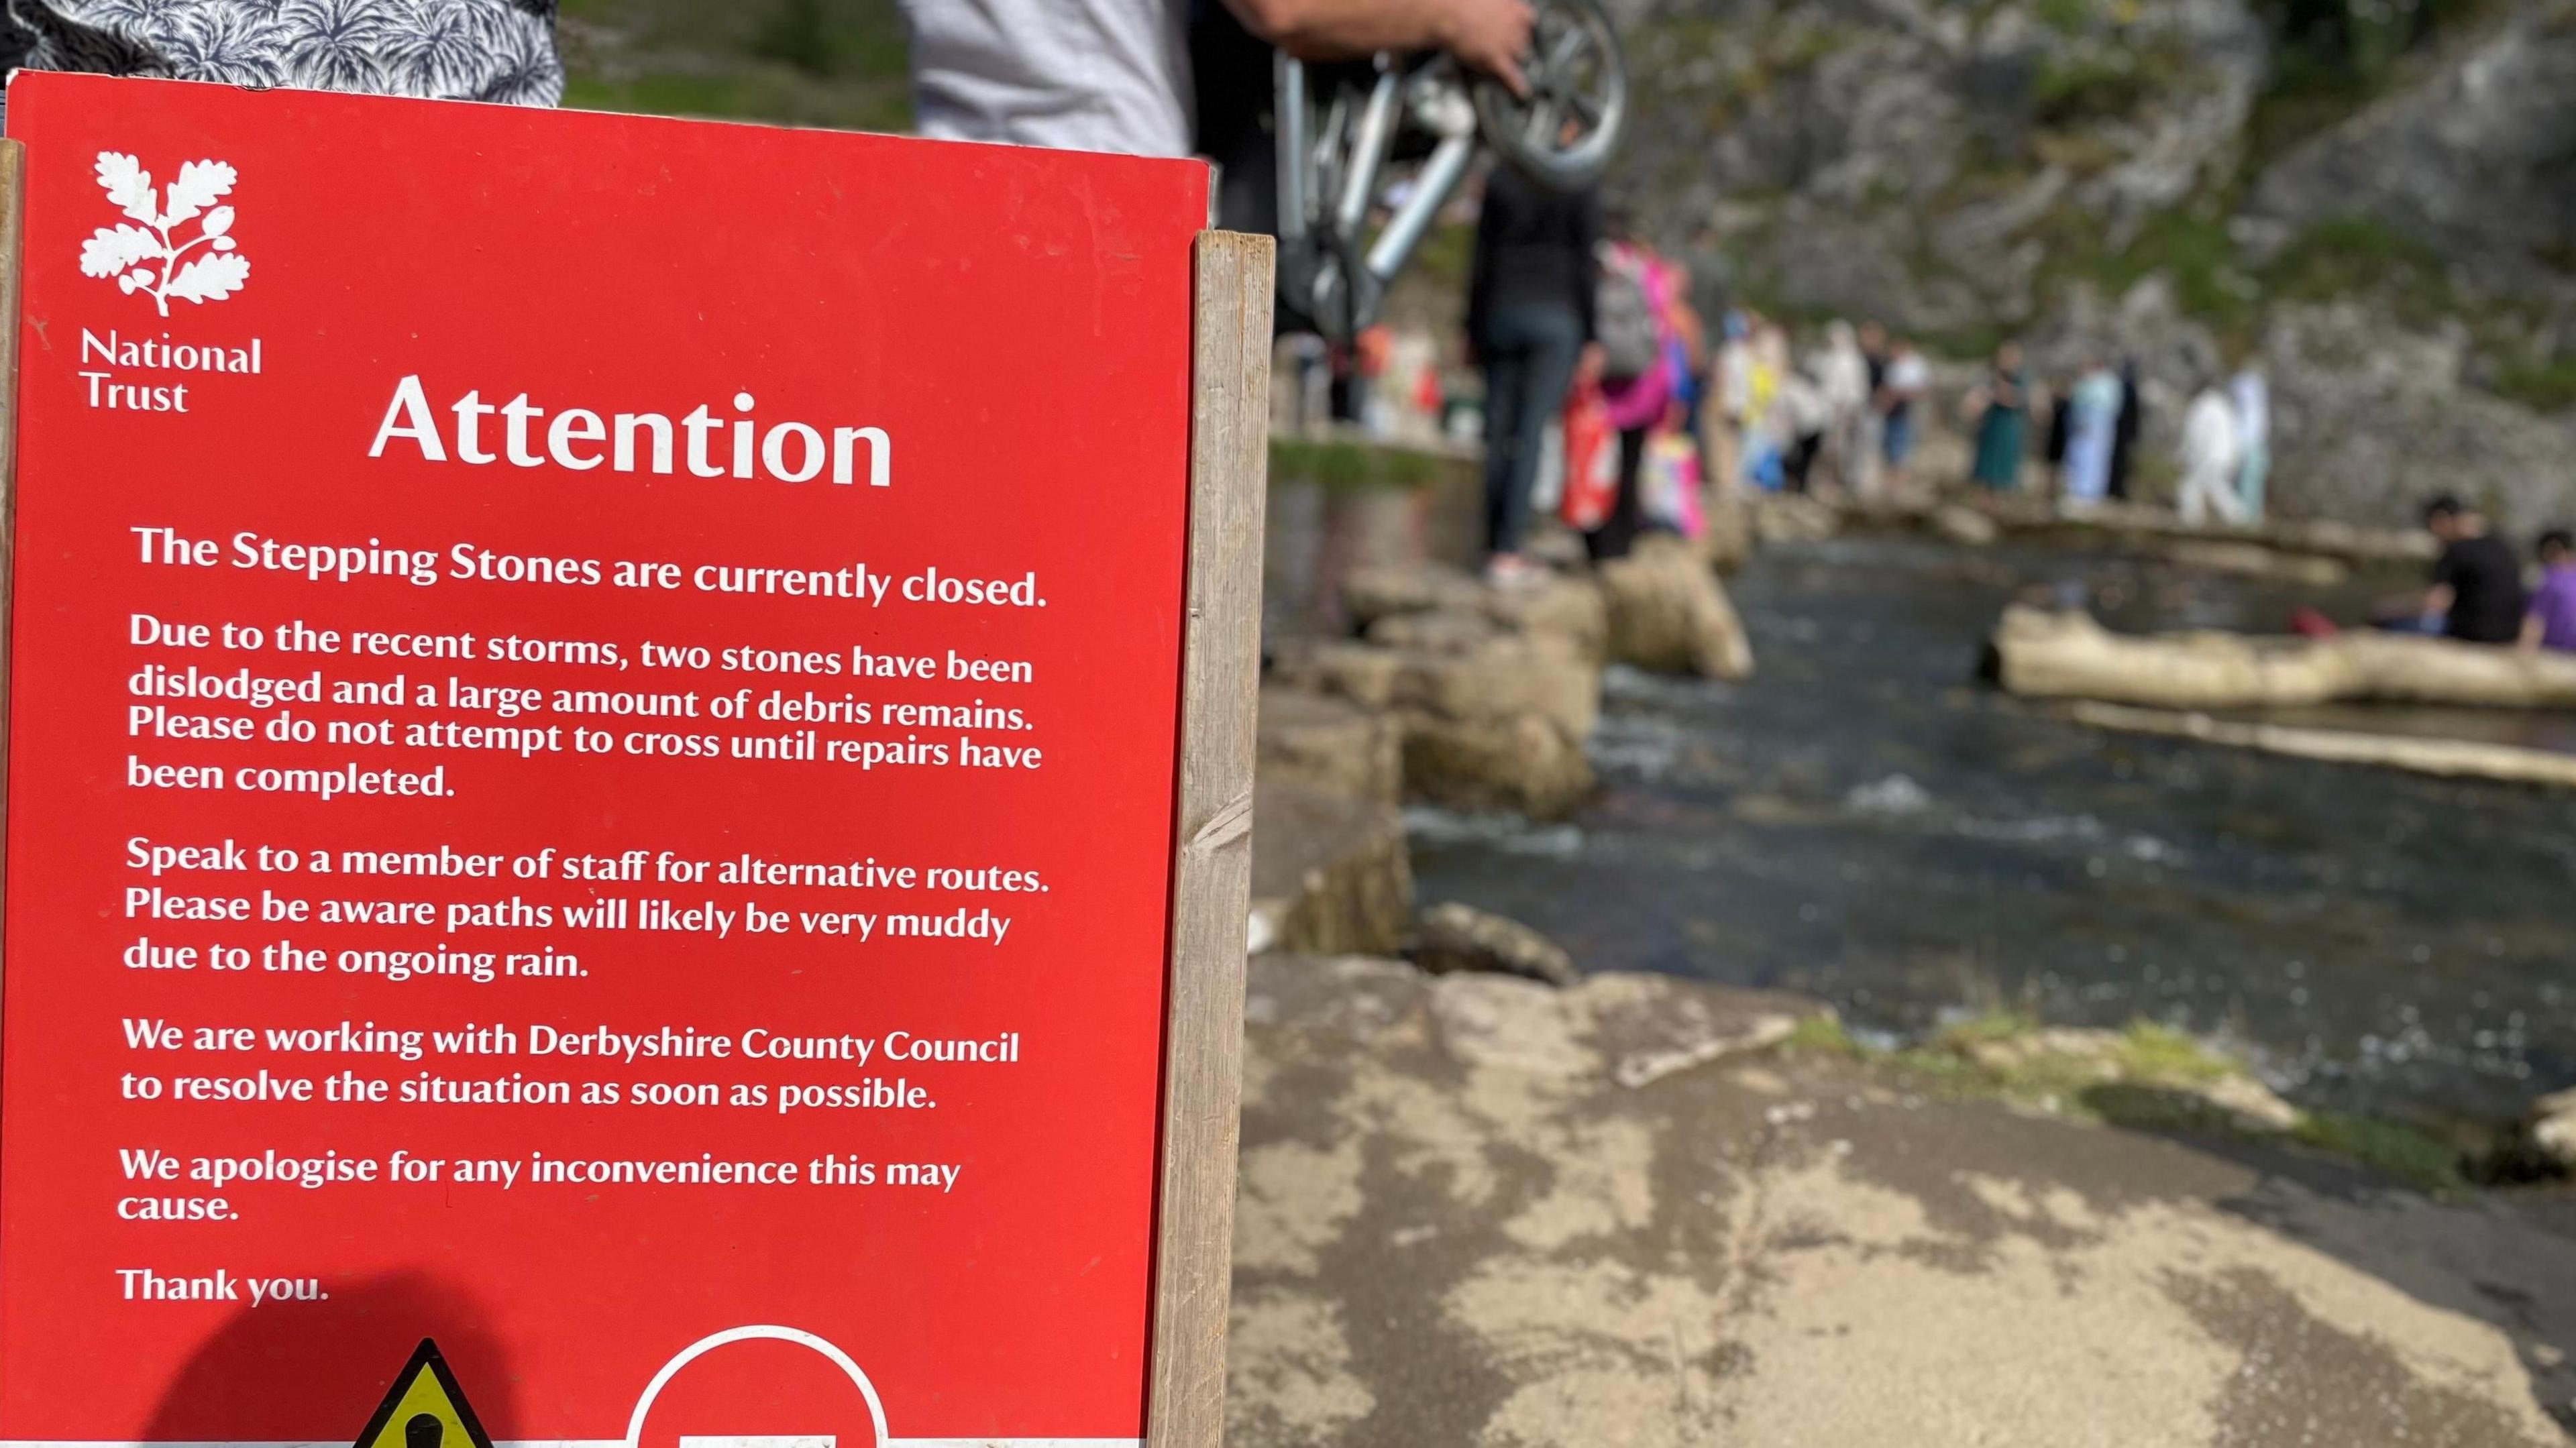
(146, 255)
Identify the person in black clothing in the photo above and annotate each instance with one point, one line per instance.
(1529, 326)
(2477, 589)
(2124, 432)
(2061, 418)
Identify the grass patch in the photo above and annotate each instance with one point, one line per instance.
(1998, 1024)
(1342, 463)
(2151, 1052)
(1823, 1034)
(2146, 1078)
(2412, 1156)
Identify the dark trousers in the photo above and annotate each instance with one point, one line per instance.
(1617, 535)
(1799, 460)
(1528, 353)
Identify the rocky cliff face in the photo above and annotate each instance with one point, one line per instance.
(2381, 211)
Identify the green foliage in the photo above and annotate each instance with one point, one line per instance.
(1823, 1034)
(2403, 1152)
(798, 37)
(2353, 254)
(1997, 1024)
(2066, 17)
(2147, 1082)
(2330, 57)
(2150, 1052)
(2547, 386)
(2187, 243)
(2093, 85)
(835, 63)
(1345, 463)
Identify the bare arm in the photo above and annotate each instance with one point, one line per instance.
(1487, 35)
(2534, 627)
(2438, 600)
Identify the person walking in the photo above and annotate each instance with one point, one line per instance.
(2093, 417)
(1631, 324)
(2253, 399)
(1908, 378)
(2002, 422)
(2124, 433)
(2209, 459)
(1841, 373)
(1529, 325)
(1801, 414)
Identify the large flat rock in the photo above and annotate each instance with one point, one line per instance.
(1466, 1219)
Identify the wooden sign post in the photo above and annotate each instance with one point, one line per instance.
(630, 751)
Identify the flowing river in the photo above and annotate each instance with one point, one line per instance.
(1865, 823)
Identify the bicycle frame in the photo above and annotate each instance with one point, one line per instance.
(1328, 183)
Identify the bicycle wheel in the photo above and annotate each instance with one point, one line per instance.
(1561, 134)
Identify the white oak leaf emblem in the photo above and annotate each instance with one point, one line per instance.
(152, 258)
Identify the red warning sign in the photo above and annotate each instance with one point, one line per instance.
(590, 772)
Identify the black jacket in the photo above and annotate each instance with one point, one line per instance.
(1533, 246)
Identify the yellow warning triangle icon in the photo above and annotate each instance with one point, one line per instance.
(424, 1408)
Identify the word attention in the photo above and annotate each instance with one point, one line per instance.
(579, 439)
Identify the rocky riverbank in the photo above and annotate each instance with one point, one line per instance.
(1488, 1199)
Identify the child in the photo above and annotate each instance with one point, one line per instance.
(2549, 620)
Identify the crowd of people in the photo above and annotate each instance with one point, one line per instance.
(1577, 321)
(1589, 342)
(1571, 316)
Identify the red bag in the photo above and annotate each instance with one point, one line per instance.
(1591, 460)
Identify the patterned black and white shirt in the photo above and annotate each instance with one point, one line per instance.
(480, 50)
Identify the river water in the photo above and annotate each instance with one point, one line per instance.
(1865, 823)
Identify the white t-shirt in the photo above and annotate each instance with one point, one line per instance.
(1076, 75)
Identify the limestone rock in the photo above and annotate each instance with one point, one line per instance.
(1793, 518)
(1962, 525)
(2551, 1127)
(1726, 543)
(2043, 654)
(1522, 765)
(1565, 609)
(1494, 693)
(1649, 1027)
(1358, 996)
(1668, 615)
(1373, 593)
(1330, 874)
(1330, 745)
(1453, 937)
(2472, 162)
